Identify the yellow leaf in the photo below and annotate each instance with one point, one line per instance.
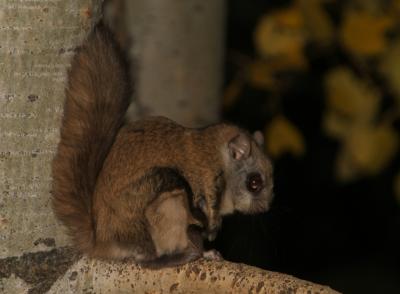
(260, 76)
(363, 34)
(351, 98)
(390, 67)
(283, 137)
(367, 150)
(371, 5)
(289, 17)
(317, 23)
(335, 125)
(372, 148)
(280, 36)
(395, 9)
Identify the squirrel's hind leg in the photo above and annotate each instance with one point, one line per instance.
(175, 240)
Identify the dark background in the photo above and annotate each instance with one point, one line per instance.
(345, 235)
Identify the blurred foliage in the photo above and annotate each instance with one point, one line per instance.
(282, 136)
(361, 95)
(363, 33)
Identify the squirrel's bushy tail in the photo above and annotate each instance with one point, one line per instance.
(97, 97)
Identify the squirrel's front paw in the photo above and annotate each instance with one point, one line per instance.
(212, 255)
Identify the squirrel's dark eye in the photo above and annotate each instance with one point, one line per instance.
(254, 182)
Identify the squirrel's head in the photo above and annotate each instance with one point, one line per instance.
(248, 175)
(245, 181)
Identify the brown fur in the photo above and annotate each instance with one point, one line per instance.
(97, 82)
(150, 188)
(168, 216)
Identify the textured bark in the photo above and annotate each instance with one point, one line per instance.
(90, 276)
(37, 41)
(179, 52)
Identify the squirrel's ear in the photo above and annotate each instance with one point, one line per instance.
(239, 147)
(259, 138)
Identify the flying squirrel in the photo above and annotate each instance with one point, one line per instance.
(151, 189)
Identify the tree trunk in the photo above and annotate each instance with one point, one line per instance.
(196, 277)
(37, 41)
(179, 47)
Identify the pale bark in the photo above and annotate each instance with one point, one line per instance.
(37, 41)
(197, 277)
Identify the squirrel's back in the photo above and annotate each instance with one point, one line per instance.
(97, 97)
